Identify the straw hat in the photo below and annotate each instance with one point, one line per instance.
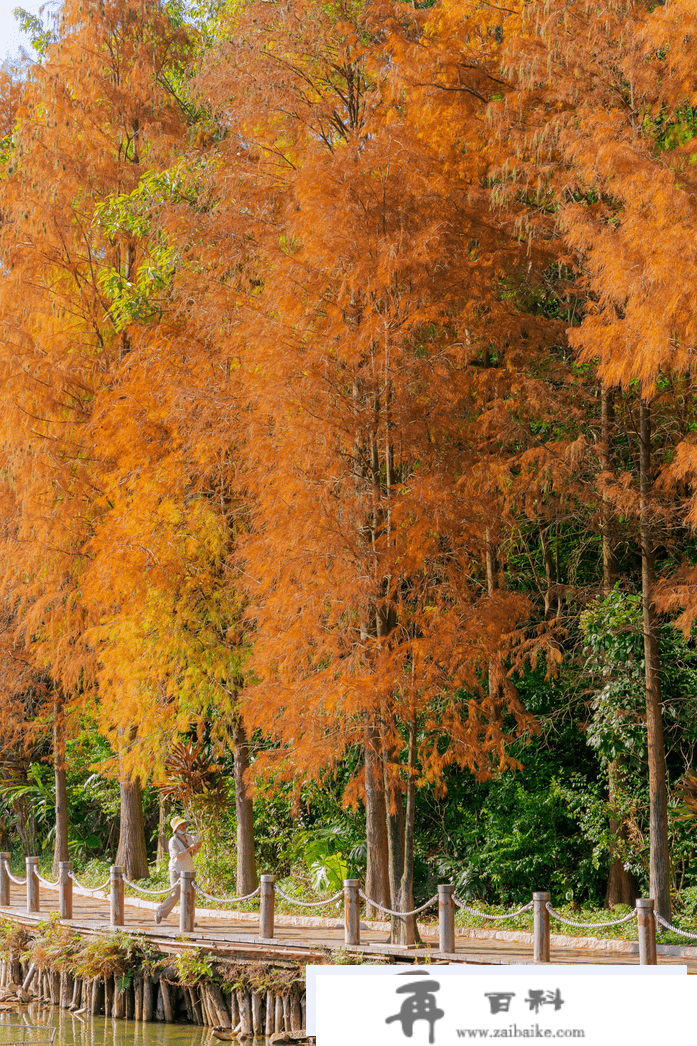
(177, 822)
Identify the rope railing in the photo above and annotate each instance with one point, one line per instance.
(309, 904)
(673, 929)
(391, 911)
(225, 900)
(142, 889)
(47, 882)
(593, 925)
(475, 911)
(13, 878)
(88, 889)
(648, 920)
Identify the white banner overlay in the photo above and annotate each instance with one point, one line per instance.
(440, 1006)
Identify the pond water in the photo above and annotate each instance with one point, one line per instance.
(19, 1027)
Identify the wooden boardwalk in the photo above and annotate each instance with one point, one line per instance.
(231, 937)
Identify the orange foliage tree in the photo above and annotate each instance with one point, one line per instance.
(604, 127)
(90, 116)
(381, 378)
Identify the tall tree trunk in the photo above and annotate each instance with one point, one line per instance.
(131, 853)
(659, 868)
(611, 569)
(60, 850)
(552, 588)
(494, 668)
(395, 826)
(247, 880)
(621, 884)
(162, 836)
(405, 930)
(377, 876)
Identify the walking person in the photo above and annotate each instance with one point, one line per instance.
(182, 849)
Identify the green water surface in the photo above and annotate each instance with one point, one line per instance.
(30, 1025)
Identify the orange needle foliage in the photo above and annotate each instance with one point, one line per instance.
(383, 380)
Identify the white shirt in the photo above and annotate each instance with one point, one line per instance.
(178, 860)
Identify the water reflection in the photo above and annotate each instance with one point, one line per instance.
(92, 1031)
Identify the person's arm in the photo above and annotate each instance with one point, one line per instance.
(193, 847)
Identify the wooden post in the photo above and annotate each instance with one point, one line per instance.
(4, 880)
(187, 902)
(540, 928)
(116, 894)
(148, 1007)
(65, 890)
(32, 885)
(166, 1000)
(446, 918)
(270, 1005)
(268, 903)
(647, 931)
(257, 1026)
(352, 923)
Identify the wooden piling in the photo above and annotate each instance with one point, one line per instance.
(109, 990)
(257, 1026)
(267, 906)
(65, 890)
(147, 998)
(540, 928)
(77, 994)
(268, 1024)
(295, 1012)
(209, 1018)
(32, 884)
(352, 924)
(4, 880)
(159, 1004)
(138, 998)
(187, 902)
(130, 1001)
(221, 1010)
(278, 1015)
(234, 1010)
(166, 1000)
(446, 918)
(646, 920)
(193, 1009)
(118, 1008)
(97, 996)
(117, 917)
(245, 1006)
(65, 989)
